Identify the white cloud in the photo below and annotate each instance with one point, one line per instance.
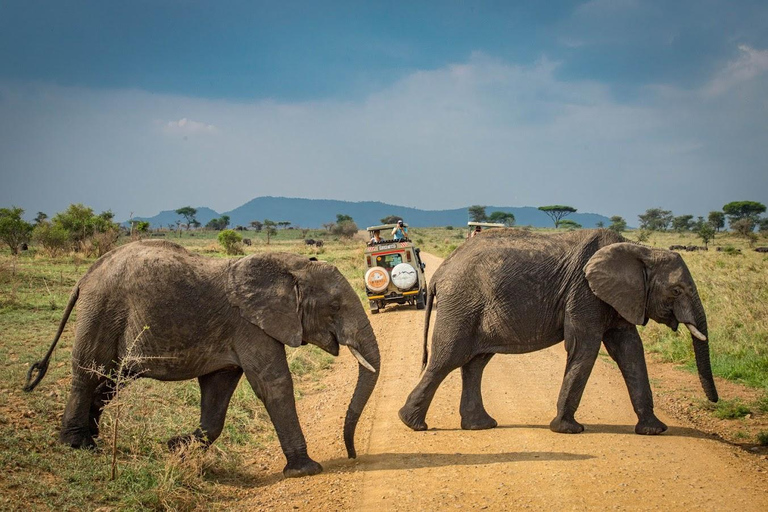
(185, 125)
(477, 132)
(751, 63)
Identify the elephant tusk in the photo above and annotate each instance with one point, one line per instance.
(695, 332)
(362, 360)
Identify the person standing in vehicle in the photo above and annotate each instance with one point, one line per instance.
(400, 232)
(376, 239)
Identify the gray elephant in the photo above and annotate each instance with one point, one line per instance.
(211, 319)
(511, 292)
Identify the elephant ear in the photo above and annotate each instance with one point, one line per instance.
(267, 295)
(616, 274)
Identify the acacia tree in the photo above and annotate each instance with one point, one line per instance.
(256, 225)
(391, 219)
(270, 229)
(618, 224)
(506, 218)
(655, 219)
(569, 224)
(556, 212)
(189, 215)
(14, 230)
(738, 210)
(716, 220)
(477, 213)
(682, 223)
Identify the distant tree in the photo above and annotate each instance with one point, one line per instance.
(716, 220)
(506, 218)
(41, 217)
(762, 225)
(477, 213)
(390, 219)
(655, 219)
(705, 231)
(269, 228)
(218, 224)
(569, 224)
(746, 228)
(738, 210)
(230, 240)
(345, 229)
(256, 225)
(14, 230)
(53, 238)
(77, 220)
(284, 224)
(600, 224)
(682, 223)
(557, 211)
(618, 224)
(189, 215)
(142, 226)
(340, 217)
(329, 226)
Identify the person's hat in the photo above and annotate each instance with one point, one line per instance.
(400, 222)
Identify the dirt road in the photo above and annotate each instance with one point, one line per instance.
(520, 464)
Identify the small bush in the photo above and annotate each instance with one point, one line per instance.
(231, 241)
(762, 438)
(449, 228)
(730, 409)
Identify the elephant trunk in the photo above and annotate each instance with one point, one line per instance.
(368, 350)
(701, 350)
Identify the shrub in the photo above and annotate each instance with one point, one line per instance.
(345, 229)
(762, 438)
(230, 240)
(14, 230)
(53, 238)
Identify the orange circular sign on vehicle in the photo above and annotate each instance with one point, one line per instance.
(376, 279)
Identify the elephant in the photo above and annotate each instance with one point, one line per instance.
(512, 291)
(211, 319)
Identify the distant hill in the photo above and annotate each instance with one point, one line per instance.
(313, 213)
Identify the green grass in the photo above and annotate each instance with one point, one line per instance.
(40, 473)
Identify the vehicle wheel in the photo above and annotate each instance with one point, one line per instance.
(420, 301)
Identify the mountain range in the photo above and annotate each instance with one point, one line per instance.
(313, 213)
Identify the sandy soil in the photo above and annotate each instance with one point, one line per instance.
(519, 465)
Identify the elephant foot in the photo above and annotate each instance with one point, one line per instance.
(566, 426)
(479, 422)
(301, 467)
(650, 427)
(411, 419)
(77, 438)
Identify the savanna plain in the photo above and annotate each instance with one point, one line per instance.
(39, 473)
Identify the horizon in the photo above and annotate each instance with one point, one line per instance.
(612, 107)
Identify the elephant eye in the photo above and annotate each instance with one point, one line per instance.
(676, 291)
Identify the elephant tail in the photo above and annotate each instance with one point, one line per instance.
(42, 365)
(431, 291)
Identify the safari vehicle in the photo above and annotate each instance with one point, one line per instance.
(477, 227)
(395, 272)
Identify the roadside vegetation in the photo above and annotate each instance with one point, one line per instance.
(35, 285)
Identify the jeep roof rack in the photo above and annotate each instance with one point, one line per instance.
(486, 224)
(383, 227)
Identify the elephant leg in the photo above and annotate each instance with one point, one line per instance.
(216, 390)
(582, 353)
(273, 385)
(626, 348)
(103, 394)
(473, 413)
(77, 422)
(443, 362)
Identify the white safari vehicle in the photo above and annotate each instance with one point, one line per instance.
(395, 272)
(477, 227)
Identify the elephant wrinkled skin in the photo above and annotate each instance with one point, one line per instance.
(511, 292)
(214, 320)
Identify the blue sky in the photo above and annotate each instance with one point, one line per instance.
(609, 106)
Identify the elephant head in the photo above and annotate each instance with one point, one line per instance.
(642, 283)
(297, 301)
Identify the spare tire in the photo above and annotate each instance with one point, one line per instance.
(404, 276)
(376, 279)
